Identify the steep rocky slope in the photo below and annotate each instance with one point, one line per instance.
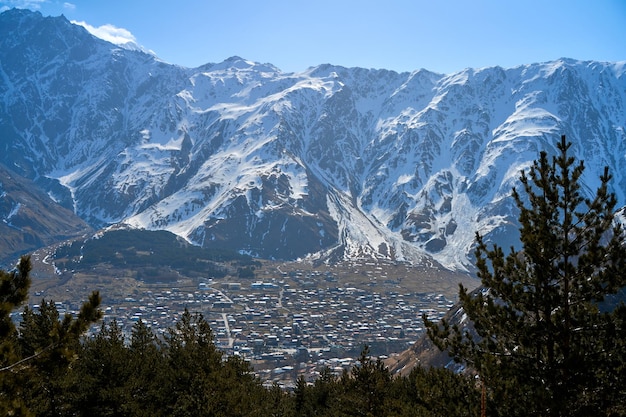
(332, 162)
(30, 219)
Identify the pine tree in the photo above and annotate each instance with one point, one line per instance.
(148, 383)
(35, 357)
(300, 393)
(194, 363)
(365, 387)
(14, 287)
(324, 392)
(97, 380)
(541, 341)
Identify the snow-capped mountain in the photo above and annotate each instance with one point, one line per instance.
(331, 162)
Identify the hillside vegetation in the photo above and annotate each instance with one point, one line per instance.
(148, 252)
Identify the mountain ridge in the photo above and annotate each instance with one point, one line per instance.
(329, 163)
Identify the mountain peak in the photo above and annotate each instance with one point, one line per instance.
(329, 163)
(19, 14)
(27, 20)
(236, 63)
(24, 31)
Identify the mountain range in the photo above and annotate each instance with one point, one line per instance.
(329, 163)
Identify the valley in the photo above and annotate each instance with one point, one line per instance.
(287, 319)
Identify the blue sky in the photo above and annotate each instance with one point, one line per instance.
(402, 35)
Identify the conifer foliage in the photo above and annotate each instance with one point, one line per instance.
(33, 356)
(543, 338)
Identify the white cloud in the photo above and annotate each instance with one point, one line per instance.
(117, 36)
(69, 6)
(109, 33)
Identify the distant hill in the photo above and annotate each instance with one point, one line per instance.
(30, 219)
(155, 255)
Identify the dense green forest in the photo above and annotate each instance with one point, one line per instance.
(540, 339)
